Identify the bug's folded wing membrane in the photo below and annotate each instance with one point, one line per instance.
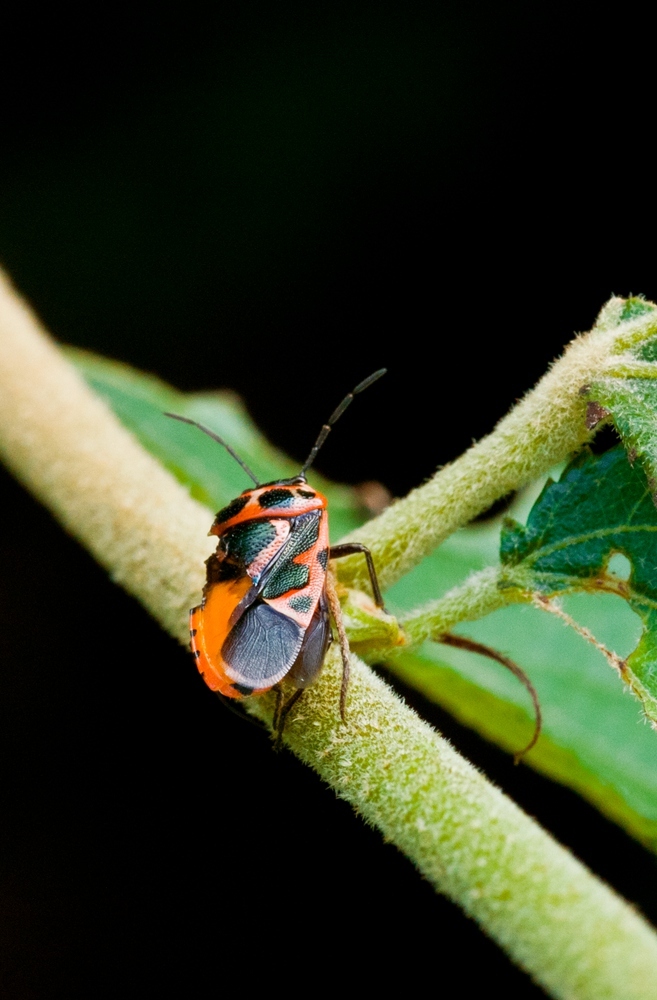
(261, 647)
(313, 650)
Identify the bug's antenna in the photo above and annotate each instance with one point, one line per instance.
(337, 413)
(215, 437)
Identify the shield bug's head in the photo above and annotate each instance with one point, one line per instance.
(281, 498)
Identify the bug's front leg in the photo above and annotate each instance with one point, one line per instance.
(351, 549)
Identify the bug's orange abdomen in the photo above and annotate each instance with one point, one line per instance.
(209, 627)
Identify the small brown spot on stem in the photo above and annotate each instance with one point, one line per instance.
(594, 414)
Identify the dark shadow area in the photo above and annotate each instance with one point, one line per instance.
(333, 189)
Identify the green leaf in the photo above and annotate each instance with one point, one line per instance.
(600, 507)
(213, 477)
(631, 402)
(592, 739)
(635, 306)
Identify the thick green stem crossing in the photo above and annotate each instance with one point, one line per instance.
(479, 596)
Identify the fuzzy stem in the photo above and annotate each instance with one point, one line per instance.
(477, 597)
(554, 918)
(543, 429)
(572, 933)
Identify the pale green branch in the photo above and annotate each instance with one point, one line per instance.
(480, 595)
(572, 933)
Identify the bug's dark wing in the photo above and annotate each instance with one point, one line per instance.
(261, 647)
(313, 649)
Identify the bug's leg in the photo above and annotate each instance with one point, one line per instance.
(351, 549)
(336, 611)
(277, 710)
(461, 642)
(283, 713)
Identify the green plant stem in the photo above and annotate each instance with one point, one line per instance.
(572, 933)
(542, 430)
(467, 838)
(477, 597)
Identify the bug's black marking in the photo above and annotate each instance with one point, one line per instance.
(286, 574)
(306, 494)
(244, 689)
(276, 498)
(323, 558)
(301, 603)
(193, 631)
(197, 653)
(232, 510)
(262, 646)
(246, 541)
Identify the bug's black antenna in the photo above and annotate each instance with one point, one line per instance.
(337, 413)
(215, 437)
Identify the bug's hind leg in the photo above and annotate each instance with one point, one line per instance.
(336, 611)
(281, 713)
(277, 708)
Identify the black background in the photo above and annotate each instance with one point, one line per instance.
(280, 198)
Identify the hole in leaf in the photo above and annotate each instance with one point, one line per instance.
(619, 566)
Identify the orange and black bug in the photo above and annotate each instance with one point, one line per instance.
(265, 609)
